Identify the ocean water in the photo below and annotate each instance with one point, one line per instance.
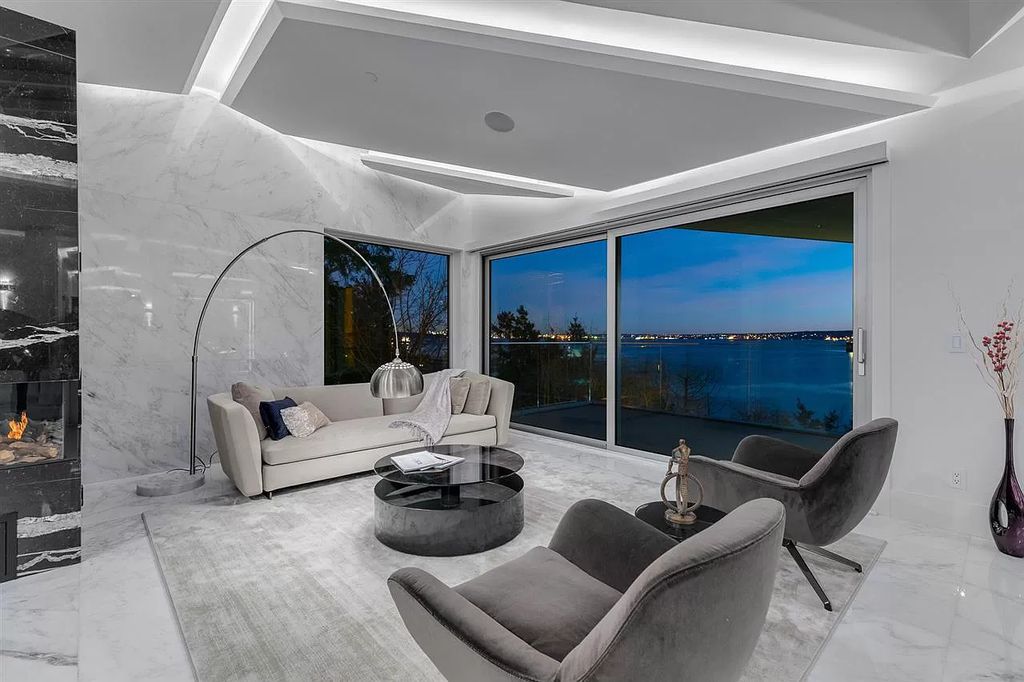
(745, 377)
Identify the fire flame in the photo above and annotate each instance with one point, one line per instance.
(17, 428)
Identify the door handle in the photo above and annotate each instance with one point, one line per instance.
(862, 356)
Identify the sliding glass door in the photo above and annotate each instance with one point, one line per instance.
(547, 335)
(735, 322)
(735, 326)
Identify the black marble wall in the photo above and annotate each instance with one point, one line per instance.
(39, 266)
(38, 201)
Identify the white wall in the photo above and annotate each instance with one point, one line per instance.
(957, 218)
(171, 188)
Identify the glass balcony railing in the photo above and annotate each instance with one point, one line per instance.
(560, 385)
(713, 392)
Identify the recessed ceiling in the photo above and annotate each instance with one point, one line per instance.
(147, 45)
(574, 125)
(463, 180)
(954, 26)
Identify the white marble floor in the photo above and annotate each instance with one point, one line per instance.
(936, 607)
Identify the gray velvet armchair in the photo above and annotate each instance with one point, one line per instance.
(610, 598)
(825, 496)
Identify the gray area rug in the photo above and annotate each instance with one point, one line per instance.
(295, 588)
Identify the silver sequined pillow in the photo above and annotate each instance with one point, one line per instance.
(302, 420)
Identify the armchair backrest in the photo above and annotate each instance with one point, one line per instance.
(694, 614)
(841, 487)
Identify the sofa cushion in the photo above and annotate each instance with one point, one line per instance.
(479, 396)
(270, 411)
(467, 423)
(459, 392)
(354, 435)
(542, 598)
(304, 420)
(338, 401)
(250, 397)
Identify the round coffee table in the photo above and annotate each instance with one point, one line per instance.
(470, 507)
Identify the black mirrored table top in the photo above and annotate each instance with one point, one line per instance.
(653, 513)
(481, 463)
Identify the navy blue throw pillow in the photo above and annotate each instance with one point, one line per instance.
(270, 413)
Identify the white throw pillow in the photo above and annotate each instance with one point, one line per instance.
(304, 419)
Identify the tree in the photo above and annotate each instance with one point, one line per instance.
(514, 326)
(805, 418)
(577, 332)
(358, 332)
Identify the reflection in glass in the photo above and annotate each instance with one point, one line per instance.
(358, 335)
(548, 336)
(735, 326)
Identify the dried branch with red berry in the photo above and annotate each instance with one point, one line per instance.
(998, 356)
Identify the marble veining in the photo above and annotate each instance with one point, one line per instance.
(172, 188)
(35, 336)
(40, 129)
(30, 527)
(38, 180)
(39, 284)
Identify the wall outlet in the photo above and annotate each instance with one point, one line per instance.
(957, 480)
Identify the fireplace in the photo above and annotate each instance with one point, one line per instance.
(40, 404)
(32, 422)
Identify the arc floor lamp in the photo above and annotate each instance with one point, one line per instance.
(394, 379)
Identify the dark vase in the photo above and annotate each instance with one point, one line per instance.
(1006, 512)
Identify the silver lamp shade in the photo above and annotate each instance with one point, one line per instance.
(396, 379)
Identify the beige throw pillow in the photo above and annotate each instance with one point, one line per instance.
(249, 397)
(479, 396)
(460, 391)
(303, 419)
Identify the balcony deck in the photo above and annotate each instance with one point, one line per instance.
(659, 432)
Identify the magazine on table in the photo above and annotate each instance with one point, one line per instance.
(424, 461)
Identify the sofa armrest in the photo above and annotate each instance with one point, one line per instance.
(238, 443)
(608, 543)
(500, 407)
(463, 642)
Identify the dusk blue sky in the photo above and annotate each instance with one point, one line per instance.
(686, 281)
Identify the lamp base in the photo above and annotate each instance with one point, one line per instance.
(170, 483)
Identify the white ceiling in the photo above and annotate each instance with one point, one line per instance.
(957, 27)
(605, 93)
(141, 44)
(575, 125)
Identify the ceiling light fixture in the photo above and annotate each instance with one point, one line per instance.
(499, 122)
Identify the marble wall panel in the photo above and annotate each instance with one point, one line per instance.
(38, 184)
(39, 268)
(172, 187)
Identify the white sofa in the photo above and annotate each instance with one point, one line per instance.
(356, 438)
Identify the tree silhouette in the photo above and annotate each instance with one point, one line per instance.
(358, 334)
(577, 332)
(514, 326)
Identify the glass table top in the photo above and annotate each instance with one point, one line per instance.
(481, 463)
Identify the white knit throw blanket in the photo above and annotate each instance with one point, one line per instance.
(430, 419)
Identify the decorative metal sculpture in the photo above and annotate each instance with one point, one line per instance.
(680, 511)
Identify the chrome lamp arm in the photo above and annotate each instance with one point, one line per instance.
(394, 379)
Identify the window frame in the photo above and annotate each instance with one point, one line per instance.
(872, 285)
(486, 331)
(352, 239)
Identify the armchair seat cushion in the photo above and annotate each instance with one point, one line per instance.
(543, 599)
(355, 435)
